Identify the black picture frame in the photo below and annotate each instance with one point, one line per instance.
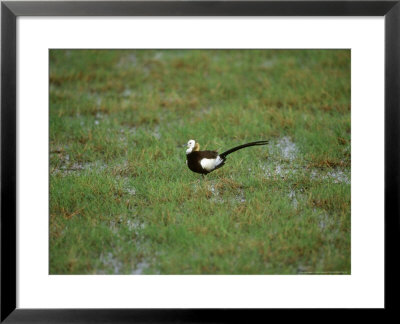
(9, 13)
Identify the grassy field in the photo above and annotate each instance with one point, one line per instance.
(122, 200)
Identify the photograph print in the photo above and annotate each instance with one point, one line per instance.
(231, 162)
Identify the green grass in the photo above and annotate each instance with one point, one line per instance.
(122, 199)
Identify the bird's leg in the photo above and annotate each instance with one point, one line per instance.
(203, 176)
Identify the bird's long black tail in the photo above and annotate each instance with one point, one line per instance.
(225, 154)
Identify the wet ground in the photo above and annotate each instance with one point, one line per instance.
(284, 161)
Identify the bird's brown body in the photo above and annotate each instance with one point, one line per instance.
(194, 158)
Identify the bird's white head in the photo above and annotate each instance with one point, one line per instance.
(190, 146)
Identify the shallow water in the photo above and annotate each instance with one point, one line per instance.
(287, 148)
(284, 161)
(109, 261)
(68, 168)
(268, 63)
(140, 267)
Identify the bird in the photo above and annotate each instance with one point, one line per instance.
(204, 162)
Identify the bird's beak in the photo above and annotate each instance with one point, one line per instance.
(184, 145)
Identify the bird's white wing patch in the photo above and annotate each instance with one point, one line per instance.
(211, 164)
(208, 164)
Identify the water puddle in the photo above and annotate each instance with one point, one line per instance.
(292, 197)
(276, 170)
(240, 197)
(127, 61)
(338, 176)
(325, 221)
(156, 132)
(140, 267)
(267, 64)
(110, 262)
(126, 135)
(217, 196)
(203, 111)
(122, 178)
(297, 196)
(68, 168)
(335, 176)
(133, 225)
(158, 56)
(130, 191)
(283, 152)
(284, 162)
(127, 92)
(287, 148)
